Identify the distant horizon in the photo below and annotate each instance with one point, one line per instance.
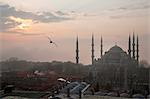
(64, 60)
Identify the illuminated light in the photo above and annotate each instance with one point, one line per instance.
(23, 24)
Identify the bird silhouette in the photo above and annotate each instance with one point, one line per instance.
(51, 42)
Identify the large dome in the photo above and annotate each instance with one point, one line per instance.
(115, 55)
(116, 49)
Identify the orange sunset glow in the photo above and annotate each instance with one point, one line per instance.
(25, 24)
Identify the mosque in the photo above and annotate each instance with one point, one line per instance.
(116, 67)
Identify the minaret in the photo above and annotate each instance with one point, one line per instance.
(77, 51)
(133, 45)
(92, 56)
(101, 51)
(137, 49)
(129, 46)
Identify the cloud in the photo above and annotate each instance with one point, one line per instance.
(134, 5)
(61, 13)
(6, 23)
(136, 10)
(45, 17)
(130, 8)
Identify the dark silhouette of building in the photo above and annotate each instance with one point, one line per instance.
(101, 51)
(133, 47)
(77, 51)
(129, 46)
(92, 56)
(134, 51)
(117, 67)
(137, 49)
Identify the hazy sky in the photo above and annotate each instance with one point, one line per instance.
(25, 25)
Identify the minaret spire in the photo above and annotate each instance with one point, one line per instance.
(101, 47)
(77, 51)
(92, 56)
(137, 49)
(133, 45)
(129, 46)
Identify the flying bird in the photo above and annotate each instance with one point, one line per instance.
(51, 42)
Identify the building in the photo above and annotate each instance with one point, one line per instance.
(118, 68)
(115, 67)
